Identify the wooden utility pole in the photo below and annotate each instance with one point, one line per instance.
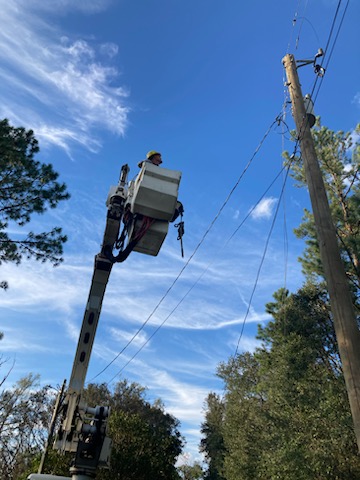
(346, 329)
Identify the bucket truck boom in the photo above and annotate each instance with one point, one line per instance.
(145, 207)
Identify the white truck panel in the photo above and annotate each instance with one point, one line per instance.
(151, 242)
(155, 192)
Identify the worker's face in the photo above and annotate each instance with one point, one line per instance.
(156, 159)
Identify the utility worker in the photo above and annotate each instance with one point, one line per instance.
(153, 157)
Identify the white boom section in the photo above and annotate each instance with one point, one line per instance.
(69, 429)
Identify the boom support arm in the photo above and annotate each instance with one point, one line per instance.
(83, 429)
(145, 210)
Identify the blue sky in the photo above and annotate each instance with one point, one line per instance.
(101, 83)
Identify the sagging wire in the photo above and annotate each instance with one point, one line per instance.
(301, 25)
(313, 29)
(294, 23)
(263, 258)
(319, 70)
(198, 279)
(194, 252)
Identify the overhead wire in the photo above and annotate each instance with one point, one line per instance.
(285, 103)
(294, 23)
(195, 250)
(284, 124)
(301, 25)
(219, 213)
(337, 34)
(262, 260)
(328, 57)
(327, 46)
(199, 278)
(321, 77)
(312, 27)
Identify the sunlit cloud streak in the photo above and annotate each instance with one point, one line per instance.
(70, 81)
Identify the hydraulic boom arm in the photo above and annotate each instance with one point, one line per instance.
(83, 429)
(145, 209)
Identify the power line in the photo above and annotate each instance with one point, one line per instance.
(337, 34)
(321, 77)
(195, 250)
(199, 278)
(333, 44)
(262, 259)
(222, 208)
(314, 97)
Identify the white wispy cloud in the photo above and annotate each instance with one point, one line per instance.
(356, 99)
(84, 6)
(184, 401)
(124, 336)
(39, 287)
(264, 209)
(69, 80)
(247, 344)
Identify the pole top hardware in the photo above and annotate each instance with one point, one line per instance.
(318, 69)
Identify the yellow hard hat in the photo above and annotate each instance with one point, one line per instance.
(151, 153)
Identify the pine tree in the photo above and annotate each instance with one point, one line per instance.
(26, 187)
(286, 410)
(339, 158)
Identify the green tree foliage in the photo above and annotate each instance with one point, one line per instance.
(286, 413)
(191, 472)
(26, 187)
(286, 410)
(146, 439)
(25, 411)
(212, 443)
(245, 431)
(339, 158)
